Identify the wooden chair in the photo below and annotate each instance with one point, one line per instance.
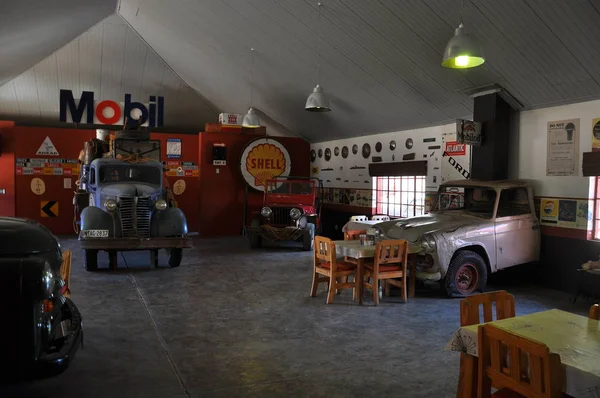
(359, 218)
(470, 307)
(595, 312)
(518, 365)
(352, 235)
(380, 217)
(65, 273)
(390, 265)
(332, 271)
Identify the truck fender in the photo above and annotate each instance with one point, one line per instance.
(169, 222)
(95, 218)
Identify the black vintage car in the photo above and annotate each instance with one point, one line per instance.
(41, 329)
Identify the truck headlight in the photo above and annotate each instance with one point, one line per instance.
(295, 213)
(47, 281)
(428, 243)
(161, 204)
(266, 212)
(110, 205)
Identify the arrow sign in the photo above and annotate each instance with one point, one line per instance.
(49, 208)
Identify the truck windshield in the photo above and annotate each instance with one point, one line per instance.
(479, 201)
(290, 188)
(122, 173)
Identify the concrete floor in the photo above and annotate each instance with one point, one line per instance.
(230, 322)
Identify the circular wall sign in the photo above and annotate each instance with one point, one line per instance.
(38, 186)
(264, 159)
(392, 145)
(320, 153)
(378, 147)
(366, 151)
(355, 149)
(327, 154)
(179, 187)
(409, 143)
(313, 155)
(336, 151)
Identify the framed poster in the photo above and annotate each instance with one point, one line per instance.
(173, 148)
(563, 148)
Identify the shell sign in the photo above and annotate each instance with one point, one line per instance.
(262, 160)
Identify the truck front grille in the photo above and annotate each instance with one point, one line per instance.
(281, 216)
(135, 217)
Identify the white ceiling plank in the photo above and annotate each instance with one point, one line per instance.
(90, 60)
(27, 94)
(46, 76)
(8, 100)
(113, 53)
(67, 66)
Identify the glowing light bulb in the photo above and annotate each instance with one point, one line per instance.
(462, 60)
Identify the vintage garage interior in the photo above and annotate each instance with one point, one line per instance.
(300, 198)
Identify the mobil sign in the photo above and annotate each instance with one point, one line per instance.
(86, 109)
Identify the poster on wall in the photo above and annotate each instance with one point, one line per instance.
(262, 160)
(596, 135)
(456, 159)
(563, 148)
(173, 148)
(565, 213)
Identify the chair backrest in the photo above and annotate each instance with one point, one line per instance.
(380, 217)
(522, 365)
(358, 218)
(470, 307)
(595, 312)
(391, 252)
(353, 235)
(324, 251)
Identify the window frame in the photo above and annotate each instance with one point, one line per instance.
(395, 204)
(595, 214)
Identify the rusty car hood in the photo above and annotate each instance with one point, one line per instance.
(413, 228)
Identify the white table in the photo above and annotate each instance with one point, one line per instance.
(575, 338)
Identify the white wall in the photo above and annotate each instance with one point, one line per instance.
(528, 152)
(353, 178)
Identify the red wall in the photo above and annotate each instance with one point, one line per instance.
(222, 194)
(188, 200)
(68, 143)
(7, 169)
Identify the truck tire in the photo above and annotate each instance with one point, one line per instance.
(308, 238)
(466, 274)
(175, 257)
(253, 237)
(91, 260)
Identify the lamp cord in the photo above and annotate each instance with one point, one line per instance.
(462, 8)
(319, 45)
(251, 77)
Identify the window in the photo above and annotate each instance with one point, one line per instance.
(400, 196)
(596, 210)
(513, 202)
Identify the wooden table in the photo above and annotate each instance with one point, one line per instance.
(353, 249)
(575, 338)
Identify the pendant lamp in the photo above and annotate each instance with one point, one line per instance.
(317, 101)
(251, 119)
(463, 50)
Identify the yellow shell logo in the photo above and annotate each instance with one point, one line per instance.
(265, 162)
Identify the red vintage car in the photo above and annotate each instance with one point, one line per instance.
(291, 212)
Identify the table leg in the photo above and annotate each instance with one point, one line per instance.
(360, 271)
(467, 377)
(413, 279)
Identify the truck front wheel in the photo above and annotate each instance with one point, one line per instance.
(175, 257)
(466, 274)
(91, 260)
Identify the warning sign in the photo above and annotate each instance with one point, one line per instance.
(47, 148)
(49, 208)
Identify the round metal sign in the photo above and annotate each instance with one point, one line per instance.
(262, 160)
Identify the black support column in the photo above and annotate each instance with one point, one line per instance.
(490, 160)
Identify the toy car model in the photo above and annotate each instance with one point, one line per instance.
(291, 212)
(475, 228)
(128, 210)
(43, 329)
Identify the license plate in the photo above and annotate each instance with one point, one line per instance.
(94, 233)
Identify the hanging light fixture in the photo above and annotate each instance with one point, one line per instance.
(251, 118)
(317, 101)
(462, 51)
